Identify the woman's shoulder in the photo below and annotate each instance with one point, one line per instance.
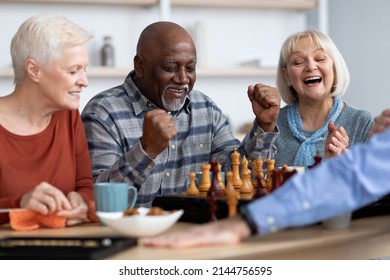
(351, 111)
(282, 119)
(357, 123)
(67, 118)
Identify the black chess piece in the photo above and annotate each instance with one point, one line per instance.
(212, 207)
(260, 192)
(317, 160)
(215, 188)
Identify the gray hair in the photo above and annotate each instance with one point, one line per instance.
(43, 38)
(341, 81)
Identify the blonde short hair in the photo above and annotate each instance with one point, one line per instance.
(341, 81)
(43, 38)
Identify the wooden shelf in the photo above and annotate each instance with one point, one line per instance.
(235, 72)
(259, 4)
(263, 4)
(6, 73)
(140, 3)
(205, 72)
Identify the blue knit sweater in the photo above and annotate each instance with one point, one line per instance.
(356, 122)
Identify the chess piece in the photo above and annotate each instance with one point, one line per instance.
(257, 166)
(286, 173)
(317, 160)
(205, 183)
(212, 207)
(232, 201)
(276, 179)
(237, 182)
(270, 168)
(260, 191)
(246, 191)
(192, 189)
(229, 188)
(254, 174)
(215, 183)
(220, 176)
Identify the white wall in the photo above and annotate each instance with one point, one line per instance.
(360, 29)
(226, 37)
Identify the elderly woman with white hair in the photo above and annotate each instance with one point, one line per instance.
(312, 76)
(44, 163)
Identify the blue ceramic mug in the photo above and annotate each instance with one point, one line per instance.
(114, 196)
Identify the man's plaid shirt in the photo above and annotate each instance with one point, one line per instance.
(113, 123)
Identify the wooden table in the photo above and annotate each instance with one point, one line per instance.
(367, 238)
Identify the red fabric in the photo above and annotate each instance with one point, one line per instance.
(30, 220)
(58, 155)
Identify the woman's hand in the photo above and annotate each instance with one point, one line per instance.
(45, 199)
(336, 142)
(79, 211)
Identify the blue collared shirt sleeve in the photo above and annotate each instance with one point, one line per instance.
(337, 185)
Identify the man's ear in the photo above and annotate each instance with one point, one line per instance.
(139, 65)
(33, 69)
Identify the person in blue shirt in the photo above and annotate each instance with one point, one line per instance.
(342, 183)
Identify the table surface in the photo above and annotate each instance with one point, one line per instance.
(367, 238)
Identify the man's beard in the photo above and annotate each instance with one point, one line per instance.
(174, 105)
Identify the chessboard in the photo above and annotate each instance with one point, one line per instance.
(211, 199)
(196, 209)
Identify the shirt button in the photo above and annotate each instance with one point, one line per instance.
(150, 166)
(168, 174)
(255, 134)
(270, 220)
(200, 145)
(306, 205)
(173, 146)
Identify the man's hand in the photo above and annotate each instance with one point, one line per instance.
(158, 130)
(381, 122)
(223, 232)
(265, 105)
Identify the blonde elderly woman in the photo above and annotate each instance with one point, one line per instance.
(312, 76)
(44, 163)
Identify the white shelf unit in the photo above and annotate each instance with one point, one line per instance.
(221, 74)
(139, 3)
(260, 4)
(109, 72)
(104, 72)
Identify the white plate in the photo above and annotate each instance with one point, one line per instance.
(139, 225)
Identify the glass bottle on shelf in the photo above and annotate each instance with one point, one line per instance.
(107, 52)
